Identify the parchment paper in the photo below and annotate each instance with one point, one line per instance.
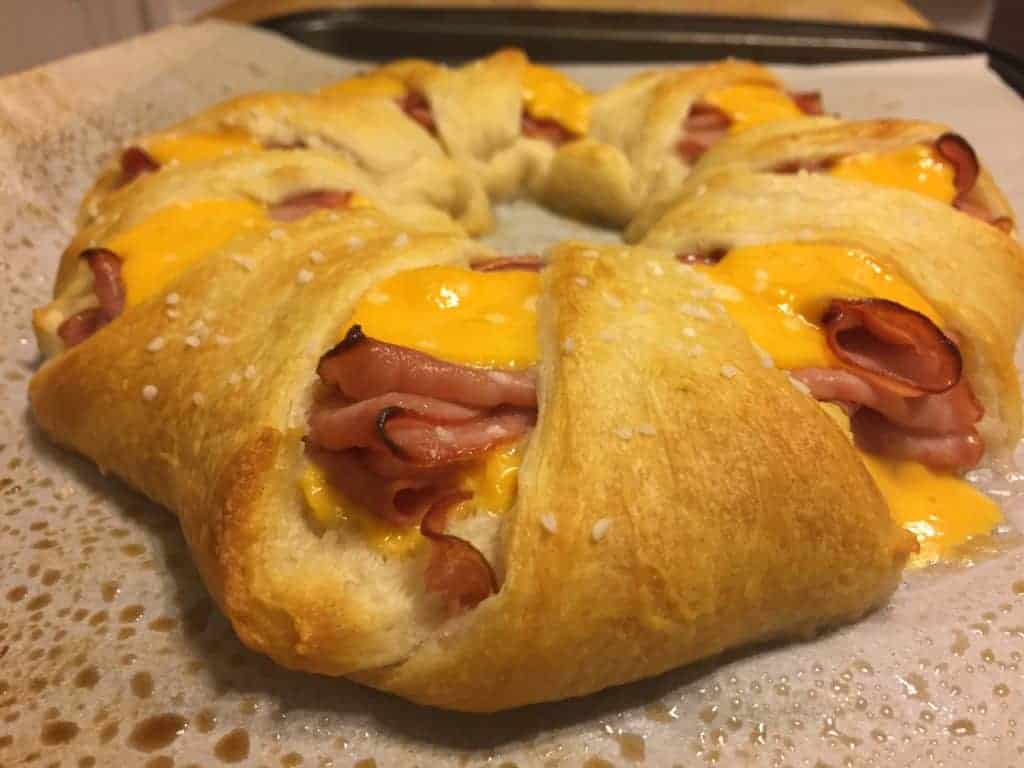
(111, 654)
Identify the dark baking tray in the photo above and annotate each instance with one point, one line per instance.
(454, 34)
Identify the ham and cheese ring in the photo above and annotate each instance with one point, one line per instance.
(927, 158)
(650, 468)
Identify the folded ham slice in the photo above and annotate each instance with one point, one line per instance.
(547, 130)
(136, 161)
(302, 204)
(109, 290)
(901, 382)
(361, 368)
(416, 106)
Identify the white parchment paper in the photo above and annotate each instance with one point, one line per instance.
(111, 654)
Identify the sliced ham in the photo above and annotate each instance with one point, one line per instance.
(547, 130)
(421, 441)
(527, 262)
(952, 452)
(457, 570)
(808, 102)
(415, 105)
(955, 410)
(109, 290)
(702, 257)
(808, 165)
(400, 501)
(361, 367)
(704, 117)
(703, 127)
(300, 205)
(956, 150)
(136, 161)
(894, 347)
(361, 424)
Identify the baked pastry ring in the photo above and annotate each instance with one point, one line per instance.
(677, 494)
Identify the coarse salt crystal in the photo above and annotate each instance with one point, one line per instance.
(656, 269)
(549, 523)
(198, 326)
(600, 529)
(304, 276)
(692, 310)
(149, 392)
(156, 344)
(171, 299)
(730, 371)
(250, 372)
(172, 314)
(624, 433)
(568, 346)
(689, 332)
(647, 429)
(198, 399)
(612, 301)
(278, 234)
(243, 262)
(401, 240)
(799, 386)
(192, 341)
(234, 379)
(355, 242)
(317, 257)
(581, 281)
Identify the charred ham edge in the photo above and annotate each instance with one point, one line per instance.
(545, 129)
(361, 368)
(892, 346)
(416, 106)
(709, 258)
(527, 262)
(135, 161)
(301, 204)
(705, 124)
(457, 570)
(109, 290)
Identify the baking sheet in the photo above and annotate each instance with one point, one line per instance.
(110, 652)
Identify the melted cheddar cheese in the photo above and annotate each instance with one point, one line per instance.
(486, 319)
(550, 95)
(379, 84)
(159, 248)
(171, 149)
(777, 293)
(916, 168)
(749, 105)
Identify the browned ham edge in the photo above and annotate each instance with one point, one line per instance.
(416, 106)
(393, 428)
(901, 383)
(109, 290)
(702, 257)
(894, 347)
(545, 129)
(302, 204)
(528, 262)
(136, 161)
(457, 570)
(808, 102)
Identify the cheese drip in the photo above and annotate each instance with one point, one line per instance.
(161, 247)
(172, 149)
(916, 168)
(749, 105)
(777, 293)
(550, 95)
(486, 319)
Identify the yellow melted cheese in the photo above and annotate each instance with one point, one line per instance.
(158, 249)
(781, 291)
(478, 318)
(373, 84)
(197, 147)
(749, 105)
(941, 510)
(550, 95)
(448, 312)
(916, 168)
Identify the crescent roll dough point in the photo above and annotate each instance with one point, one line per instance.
(680, 492)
